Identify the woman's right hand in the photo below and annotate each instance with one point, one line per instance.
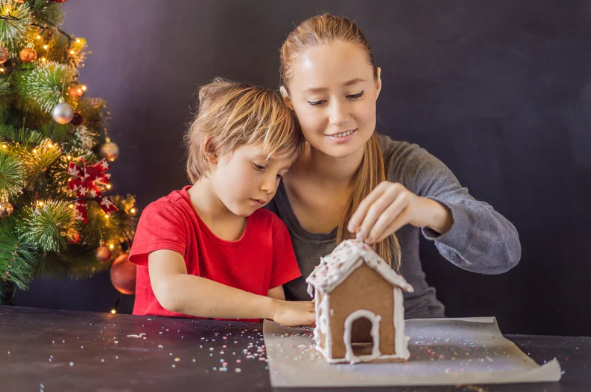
(294, 313)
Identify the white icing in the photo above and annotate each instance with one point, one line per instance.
(346, 257)
(375, 335)
(400, 339)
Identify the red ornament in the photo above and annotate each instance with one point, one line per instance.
(72, 236)
(102, 253)
(123, 273)
(83, 183)
(59, 1)
(76, 120)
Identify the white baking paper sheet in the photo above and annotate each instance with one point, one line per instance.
(443, 352)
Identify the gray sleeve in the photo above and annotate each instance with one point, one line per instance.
(480, 239)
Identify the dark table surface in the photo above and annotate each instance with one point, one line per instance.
(56, 350)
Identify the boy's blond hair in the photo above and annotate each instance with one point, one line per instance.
(231, 115)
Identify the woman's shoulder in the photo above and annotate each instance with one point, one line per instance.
(408, 163)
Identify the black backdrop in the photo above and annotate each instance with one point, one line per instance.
(498, 90)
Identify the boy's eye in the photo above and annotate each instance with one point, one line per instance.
(355, 96)
(279, 177)
(316, 103)
(258, 167)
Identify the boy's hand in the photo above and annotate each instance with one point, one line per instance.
(294, 313)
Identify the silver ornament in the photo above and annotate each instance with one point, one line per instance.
(6, 209)
(62, 113)
(110, 151)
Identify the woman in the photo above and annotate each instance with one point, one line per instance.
(352, 182)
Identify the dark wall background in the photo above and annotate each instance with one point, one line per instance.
(500, 91)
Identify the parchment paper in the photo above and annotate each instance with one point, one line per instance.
(443, 352)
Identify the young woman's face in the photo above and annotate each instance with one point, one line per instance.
(333, 92)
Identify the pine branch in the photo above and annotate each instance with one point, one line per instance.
(16, 27)
(18, 258)
(12, 174)
(46, 225)
(37, 160)
(44, 86)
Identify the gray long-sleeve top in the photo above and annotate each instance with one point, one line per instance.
(480, 239)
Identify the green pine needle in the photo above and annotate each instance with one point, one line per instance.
(45, 85)
(12, 174)
(15, 26)
(18, 259)
(46, 225)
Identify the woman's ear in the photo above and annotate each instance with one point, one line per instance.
(378, 81)
(285, 96)
(209, 152)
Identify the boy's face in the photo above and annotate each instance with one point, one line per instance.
(245, 180)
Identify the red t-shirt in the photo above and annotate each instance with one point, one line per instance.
(263, 258)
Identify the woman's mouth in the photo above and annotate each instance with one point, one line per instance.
(342, 136)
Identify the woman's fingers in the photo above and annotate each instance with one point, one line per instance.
(395, 225)
(383, 226)
(378, 208)
(359, 215)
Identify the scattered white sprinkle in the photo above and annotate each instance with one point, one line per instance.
(237, 370)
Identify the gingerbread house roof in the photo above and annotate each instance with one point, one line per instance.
(346, 258)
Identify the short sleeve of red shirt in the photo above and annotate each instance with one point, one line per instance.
(285, 265)
(160, 227)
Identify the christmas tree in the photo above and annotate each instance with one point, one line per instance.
(56, 218)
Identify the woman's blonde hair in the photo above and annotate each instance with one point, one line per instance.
(321, 30)
(231, 115)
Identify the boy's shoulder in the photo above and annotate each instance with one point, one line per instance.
(177, 200)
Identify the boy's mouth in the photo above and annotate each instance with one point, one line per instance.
(259, 202)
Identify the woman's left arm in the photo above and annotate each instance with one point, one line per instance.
(467, 232)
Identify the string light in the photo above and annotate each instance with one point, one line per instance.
(2, 69)
(78, 40)
(45, 47)
(72, 52)
(4, 146)
(71, 206)
(109, 186)
(83, 87)
(113, 311)
(69, 157)
(107, 216)
(133, 210)
(111, 246)
(38, 37)
(40, 204)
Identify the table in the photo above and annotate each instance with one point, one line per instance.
(56, 350)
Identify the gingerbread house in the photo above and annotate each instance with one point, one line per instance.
(359, 306)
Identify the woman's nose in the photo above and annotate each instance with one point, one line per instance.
(338, 113)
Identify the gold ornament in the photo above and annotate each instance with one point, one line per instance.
(102, 253)
(110, 151)
(28, 55)
(6, 209)
(4, 55)
(19, 1)
(75, 90)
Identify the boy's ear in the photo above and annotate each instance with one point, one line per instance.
(209, 151)
(285, 96)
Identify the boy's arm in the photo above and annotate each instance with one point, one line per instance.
(180, 292)
(177, 291)
(277, 293)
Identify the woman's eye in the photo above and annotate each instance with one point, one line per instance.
(316, 103)
(355, 96)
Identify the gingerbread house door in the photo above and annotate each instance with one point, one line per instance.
(375, 335)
